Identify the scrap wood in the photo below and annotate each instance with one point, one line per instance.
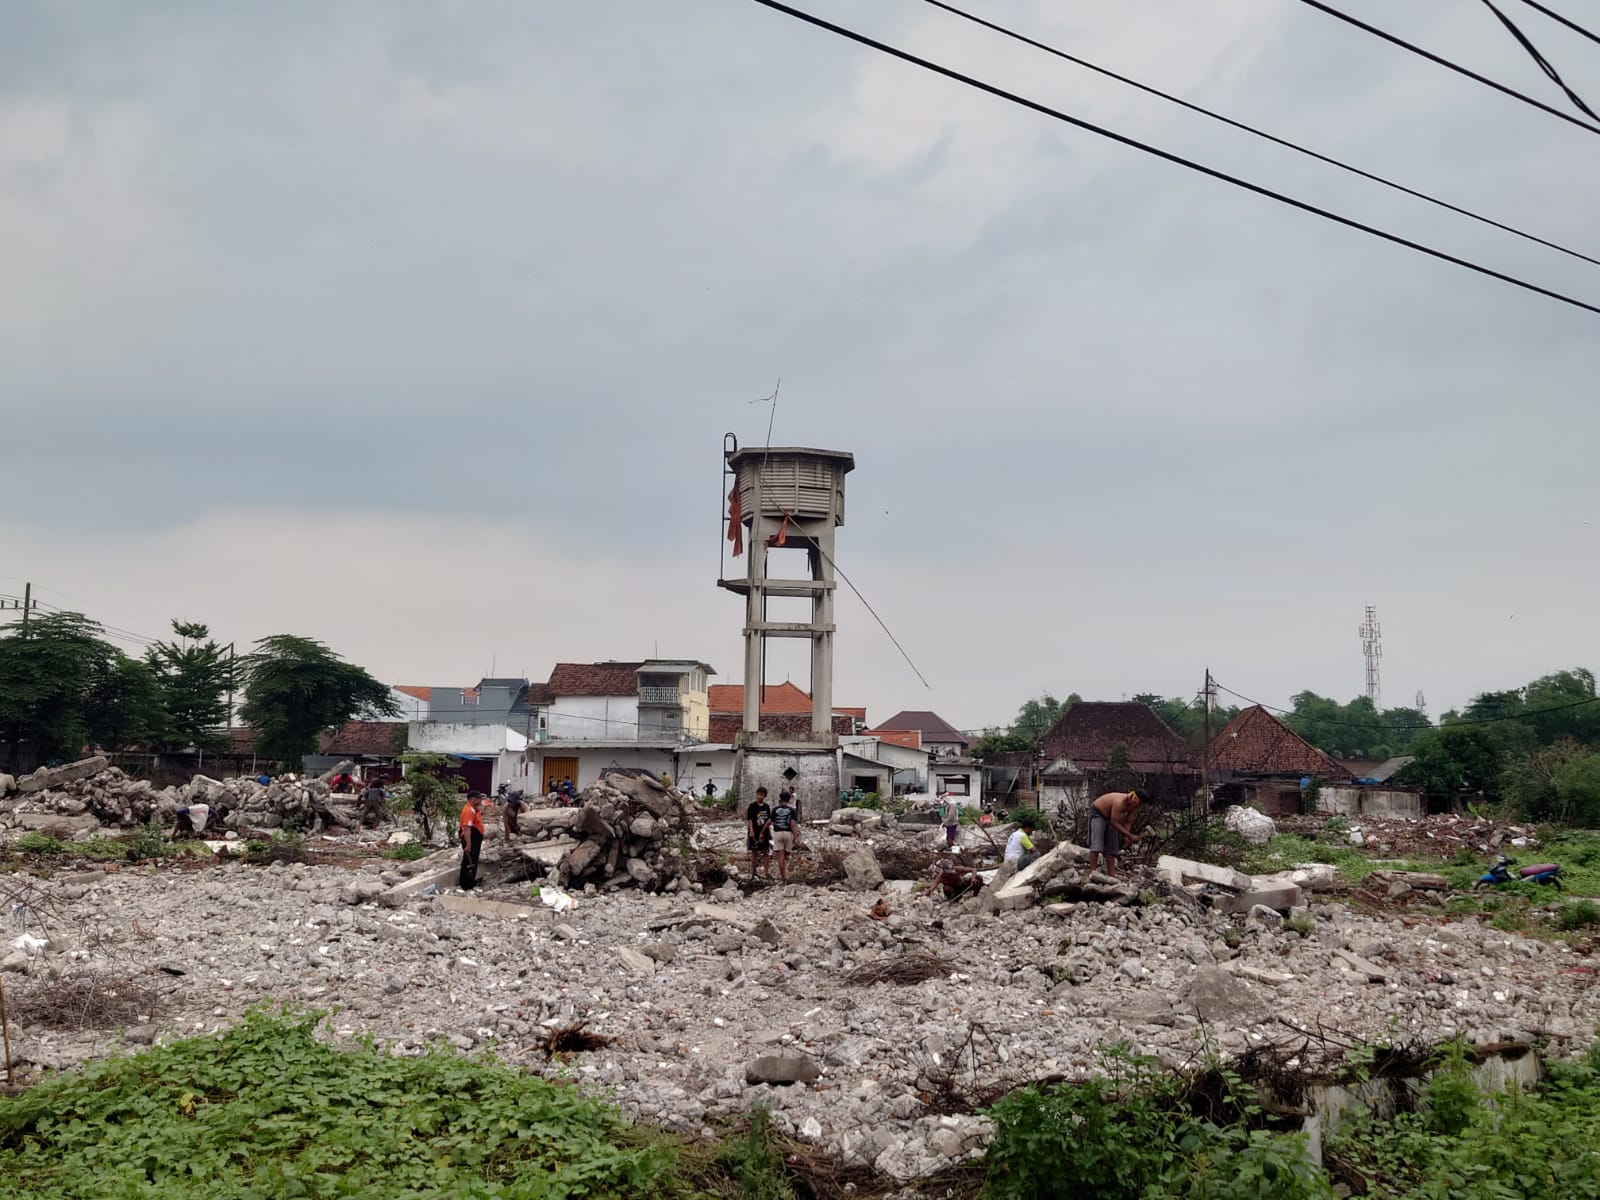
(915, 967)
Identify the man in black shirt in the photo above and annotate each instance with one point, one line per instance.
(784, 819)
(758, 834)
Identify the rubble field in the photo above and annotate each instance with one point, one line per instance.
(872, 1016)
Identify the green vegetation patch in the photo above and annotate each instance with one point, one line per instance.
(267, 1110)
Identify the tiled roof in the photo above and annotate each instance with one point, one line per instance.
(540, 694)
(1256, 743)
(424, 694)
(777, 698)
(931, 726)
(374, 739)
(782, 697)
(725, 727)
(1088, 730)
(595, 679)
(911, 739)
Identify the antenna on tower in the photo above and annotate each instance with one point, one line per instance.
(1372, 646)
(1422, 703)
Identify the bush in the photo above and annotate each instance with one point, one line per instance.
(40, 843)
(149, 842)
(407, 852)
(1131, 1136)
(1580, 914)
(268, 1109)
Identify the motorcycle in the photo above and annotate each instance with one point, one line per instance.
(1500, 872)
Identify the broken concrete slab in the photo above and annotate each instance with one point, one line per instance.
(434, 871)
(1310, 876)
(473, 906)
(547, 854)
(50, 777)
(1362, 966)
(1179, 871)
(635, 961)
(782, 1069)
(1022, 889)
(1283, 899)
(861, 870)
(1219, 998)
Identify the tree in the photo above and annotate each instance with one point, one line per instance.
(1452, 760)
(1000, 741)
(430, 786)
(48, 669)
(1035, 718)
(1119, 775)
(123, 705)
(295, 687)
(1553, 784)
(1187, 718)
(1561, 706)
(194, 675)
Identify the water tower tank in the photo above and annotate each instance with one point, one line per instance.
(799, 482)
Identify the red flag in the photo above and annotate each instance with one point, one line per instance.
(781, 538)
(735, 521)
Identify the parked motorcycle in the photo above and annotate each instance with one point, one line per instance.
(1500, 873)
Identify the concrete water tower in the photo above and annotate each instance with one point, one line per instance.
(789, 497)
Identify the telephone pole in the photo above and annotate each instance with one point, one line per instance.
(25, 605)
(1205, 750)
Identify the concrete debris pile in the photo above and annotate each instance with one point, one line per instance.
(855, 822)
(1061, 874)
(1230, 891)
(83, 798)
(628, 830)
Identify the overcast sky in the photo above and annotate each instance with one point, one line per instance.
(416, 327)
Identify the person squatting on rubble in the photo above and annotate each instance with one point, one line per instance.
(1019, 846)
(950, 817)
(1111, 820)
(192, 820)
(758, 834)
(471, 838)
(956, 880)
(785, 816)
(374, 802)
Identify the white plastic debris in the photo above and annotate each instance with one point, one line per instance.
(555, 898)
(29, 944)
(400, 838)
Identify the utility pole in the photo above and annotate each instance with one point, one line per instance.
(23, 605)
(230, 691)
(1205, 751)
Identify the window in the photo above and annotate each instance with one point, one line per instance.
(956, 785)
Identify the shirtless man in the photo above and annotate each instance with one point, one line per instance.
(1111, 820)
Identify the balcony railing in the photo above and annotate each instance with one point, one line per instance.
(659, 695)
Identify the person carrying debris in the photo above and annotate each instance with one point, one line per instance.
(374, 802)
(784, 818)
(1019, 846)
(950, 817)
(1111, 820)
(192, 820)
(471, 838)
(758, 834)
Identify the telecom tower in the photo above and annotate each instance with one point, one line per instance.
(1371, 646)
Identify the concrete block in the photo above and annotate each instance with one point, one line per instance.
(1274, 898)
(1362, 966)
(473, 906)
(437, 870)
(1178, 871)
(547, 854)
(49, 777)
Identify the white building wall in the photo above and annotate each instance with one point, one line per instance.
(593, 718)
(696, 766)
(444, 737)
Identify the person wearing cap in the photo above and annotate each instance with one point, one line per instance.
(471, 838)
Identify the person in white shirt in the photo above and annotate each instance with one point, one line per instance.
(1019, 846)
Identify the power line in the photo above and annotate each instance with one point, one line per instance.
(1447, 64)
(1253, 130)
(1541, 60)
(1212, 172)
(1555, 16)
(1402, 727)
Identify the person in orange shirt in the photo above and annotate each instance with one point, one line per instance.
(471, 838)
